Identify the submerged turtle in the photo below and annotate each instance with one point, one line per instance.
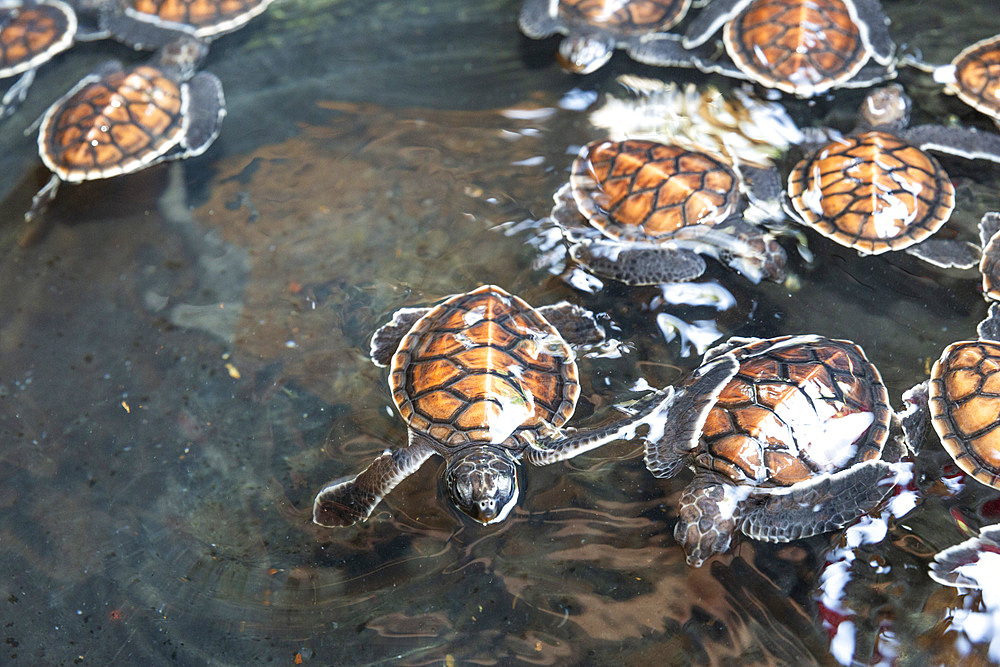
(785, 437)
(974, 75)
(643, 213)
(594, 28)
(119, 121)
(149, 24)
(31, 34)
(876, 189)
(804, 47)
(964, 400)
(482, 379)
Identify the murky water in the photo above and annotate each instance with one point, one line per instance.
(183, 363)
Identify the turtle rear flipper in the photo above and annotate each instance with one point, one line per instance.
(946, 253)
(650, 410)
(637, 264)
(819, 505)
(686, 416)
(205, 113)
(345, 502)
(576, 325)
(536, 21)
(914, 418)
(385, 341)
(139, 30)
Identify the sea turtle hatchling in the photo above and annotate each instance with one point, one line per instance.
(121, 120)
(876, 190)
(483, 380)
(643, 213)
(803, 47)
(31, 33)
(974, 75)
(149, 24)
(594, 28)
(963, 395)
(785, 436)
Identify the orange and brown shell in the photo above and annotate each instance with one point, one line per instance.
(798, 46)
(635, 17)
(638, 190)
(30, 34)
(977, 76)
(207, 17)
(798, 407)
(872, 192)
(115, 124)
(964, 398)
(484, 367)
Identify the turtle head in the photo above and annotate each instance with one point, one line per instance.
(707, 516)
(482, 482)
(885, 108)
(182, 56)
(583, 53)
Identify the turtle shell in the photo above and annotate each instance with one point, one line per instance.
(30, 34)
(873, 192)
(207, 17)
(798, 407)
(639, 190)
(977, 76)
(483, 367)
(964, 399)
(635, 17)
(797, 46)
(113, 124)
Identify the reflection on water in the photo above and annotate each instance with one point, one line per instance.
(184, 362)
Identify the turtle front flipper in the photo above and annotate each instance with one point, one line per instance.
(205, 113)
(871, 17)
(686, 416)
(821, 504)
(989, 328)
(638, 264)
(537, 20)
(662, 49)
(576, 325)
(961, 141)
(385, 341)
(967, 565)
(567, 443)
(946, 253)
(345, 502)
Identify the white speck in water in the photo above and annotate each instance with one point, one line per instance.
(578, 100)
